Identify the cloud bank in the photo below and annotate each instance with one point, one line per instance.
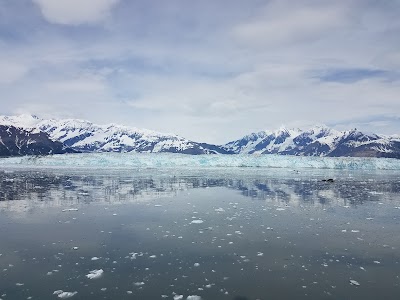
(209, 70)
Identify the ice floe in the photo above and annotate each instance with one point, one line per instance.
(95, 274)
(193, 297)
(354, 282)
(196, 222)
(64, 295)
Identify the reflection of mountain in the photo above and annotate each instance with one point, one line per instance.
(67, 190)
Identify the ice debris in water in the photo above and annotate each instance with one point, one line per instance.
(178, 297)
(193, 297)
(94, 274)
(138, 283)
(353, 282)
(95, 258)
(69, 209)
(64, 295)
(196, 222)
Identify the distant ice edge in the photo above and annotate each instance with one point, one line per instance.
(168, 160)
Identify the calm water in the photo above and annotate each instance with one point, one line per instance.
(244, 234)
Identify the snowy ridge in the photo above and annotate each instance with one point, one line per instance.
(317, 141)
(196, 162)
(85, 136)
(16, 141)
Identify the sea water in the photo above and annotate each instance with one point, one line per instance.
(187, 233)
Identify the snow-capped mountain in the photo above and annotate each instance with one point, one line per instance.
(317, 141)
(84, 136)
(16, 141)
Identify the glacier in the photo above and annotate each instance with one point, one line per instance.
(173, 160)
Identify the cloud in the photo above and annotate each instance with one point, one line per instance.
(11, 72)
(351, 75)
(175, 66)
(75, 12)
(287, 22)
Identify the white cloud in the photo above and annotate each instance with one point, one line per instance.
(10, 72)
(75, 12)
(207, 78)
(287, 22)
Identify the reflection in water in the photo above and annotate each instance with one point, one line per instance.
(226, 236)
(66, 189)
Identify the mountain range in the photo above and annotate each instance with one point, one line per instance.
(27, 134)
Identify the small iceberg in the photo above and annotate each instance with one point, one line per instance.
(95, 274)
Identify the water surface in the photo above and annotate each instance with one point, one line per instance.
(217, 234)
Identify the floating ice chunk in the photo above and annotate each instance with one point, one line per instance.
(153, 256)
(178, 297)
(196, 222)
(95, 274)
(260, 254)
(138, 283)
(362, 268)
(377, 262)
(157, 205)
(196, 265)
(94, 258)
(193, 297)
(220, 209)
(19, 284)
(280, 209)
(75, 248)
(64, 295)
(353, 282)
(355, 231)
(69, 209)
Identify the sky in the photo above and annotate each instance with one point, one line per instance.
(210, 71)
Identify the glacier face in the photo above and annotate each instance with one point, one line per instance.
(179, 161)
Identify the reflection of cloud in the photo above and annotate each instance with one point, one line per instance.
(23, 191)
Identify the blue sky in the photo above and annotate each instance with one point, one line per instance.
(210, 71)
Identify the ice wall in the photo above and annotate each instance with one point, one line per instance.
(169, 160)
